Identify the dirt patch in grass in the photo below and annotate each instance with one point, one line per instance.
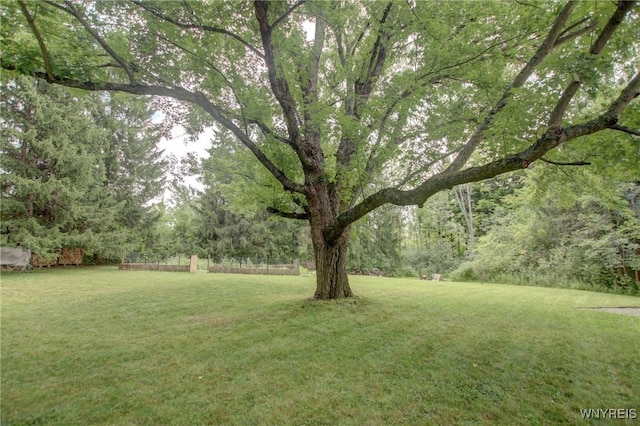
(626, 310)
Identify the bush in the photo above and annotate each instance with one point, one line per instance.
(465, 272)
(405, 271)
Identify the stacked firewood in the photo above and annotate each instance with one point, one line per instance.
(65, 257)
(38, 262)
(71, 256)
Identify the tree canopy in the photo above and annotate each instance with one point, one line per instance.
(353, 105)
(77, 171)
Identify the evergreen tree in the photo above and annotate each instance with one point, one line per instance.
(77, 171)
(52, 180)
(210, 224)
(134, 166)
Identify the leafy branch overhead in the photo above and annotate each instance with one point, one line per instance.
(368, 103)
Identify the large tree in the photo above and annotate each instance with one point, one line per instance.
(134, 167)
(52, 176)
(77, 171)
(353, 105)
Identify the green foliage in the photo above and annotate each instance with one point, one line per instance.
(135, 169)
(52, 189)
(566, 228)
(437, 237)
(77, 171)
(226, 218)
(376, 242)
(381, 98)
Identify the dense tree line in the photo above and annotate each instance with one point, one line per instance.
(560, 228)
(549, 226)
(352, 106)
(85, 171)
(77, 170)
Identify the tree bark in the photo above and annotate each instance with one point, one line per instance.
(332, 281)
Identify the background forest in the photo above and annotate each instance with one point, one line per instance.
(84, 170)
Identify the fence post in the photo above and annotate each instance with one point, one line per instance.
(193, 263)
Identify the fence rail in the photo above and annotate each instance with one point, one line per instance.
(153, 267)
(181, 263)
(192, 266)
(270, 270)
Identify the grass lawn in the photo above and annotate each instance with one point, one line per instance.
(98, 346)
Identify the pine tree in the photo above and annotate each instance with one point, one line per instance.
(135, 168)
(52, 179)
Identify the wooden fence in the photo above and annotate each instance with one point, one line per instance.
(271, 270)
(191, 267)
(152, 267)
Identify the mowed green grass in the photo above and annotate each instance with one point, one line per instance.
(98, 346)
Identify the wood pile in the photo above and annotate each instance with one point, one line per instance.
(66, 256)
(71, 256)
(38, 262)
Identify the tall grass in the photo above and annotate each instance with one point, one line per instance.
(467, 272)
(105, 347)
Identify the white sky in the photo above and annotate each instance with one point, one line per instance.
(179, 145)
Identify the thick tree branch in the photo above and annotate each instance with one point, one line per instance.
(616, 19)
(566, 35)
(309, 74)
(206, 28)
(310, 89)
(624, 6)
(364, 83)
(310, 158)
(363, 86)
(340, 46)
(287, 183)
(180, 94)
(448, 179)
(630, 92)
(73, 11)
(214, 68)
(43, 48)
(543, 51)
(287, 13)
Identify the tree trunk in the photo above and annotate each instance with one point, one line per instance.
(330, 255)
(331, 268)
